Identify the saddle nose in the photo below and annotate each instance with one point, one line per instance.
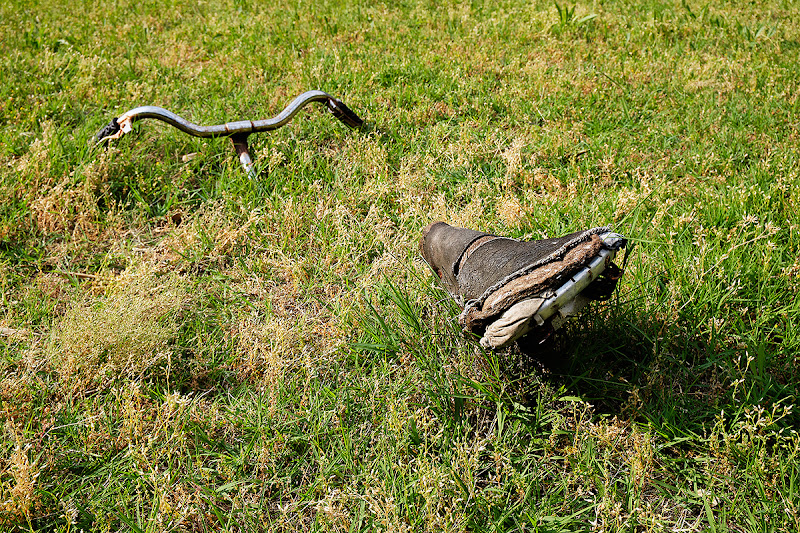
(508, 288)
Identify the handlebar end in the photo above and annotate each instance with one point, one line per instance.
(344, 113)
(108, 132)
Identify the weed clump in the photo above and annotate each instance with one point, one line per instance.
(120, 335)
(18, 497)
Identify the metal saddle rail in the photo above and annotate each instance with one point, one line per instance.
(238, 131)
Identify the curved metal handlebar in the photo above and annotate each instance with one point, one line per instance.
(237, 131)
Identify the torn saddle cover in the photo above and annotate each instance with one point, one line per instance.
(508, 288)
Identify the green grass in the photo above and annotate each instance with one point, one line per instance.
(183, 349)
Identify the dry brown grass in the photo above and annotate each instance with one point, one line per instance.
(19, 498)
(119, 335)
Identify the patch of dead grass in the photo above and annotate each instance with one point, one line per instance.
(121, 334)
(18, 477)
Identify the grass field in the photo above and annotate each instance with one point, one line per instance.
(183, 349)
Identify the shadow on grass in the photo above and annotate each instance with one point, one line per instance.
(675, 377)
(640, 369)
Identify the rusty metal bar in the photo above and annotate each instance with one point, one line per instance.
(237, 131)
